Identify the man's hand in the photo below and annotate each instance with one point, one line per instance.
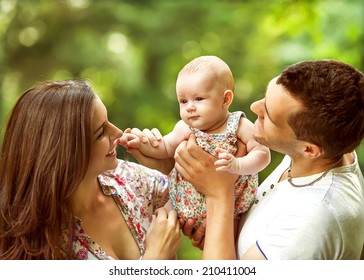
(197, 236)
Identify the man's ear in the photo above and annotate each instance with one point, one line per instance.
(313, 151)
(228, 97)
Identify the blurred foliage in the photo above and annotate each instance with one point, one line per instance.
(131, 51)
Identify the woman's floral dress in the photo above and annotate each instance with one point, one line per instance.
(187, 201)
(138, 191)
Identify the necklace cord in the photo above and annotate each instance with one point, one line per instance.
(314, 181)
(300, 186)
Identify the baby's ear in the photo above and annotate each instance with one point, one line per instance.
(228, 97)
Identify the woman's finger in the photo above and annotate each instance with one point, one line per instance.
(172, 215)
(140, 134)
(161, 213)
(151, 137)
(173, 220)
(157, 133)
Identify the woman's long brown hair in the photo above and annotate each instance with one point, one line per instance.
(44, 156)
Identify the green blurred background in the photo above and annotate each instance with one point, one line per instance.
(131, 51)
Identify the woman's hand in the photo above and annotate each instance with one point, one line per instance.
(163, 236)
(131, 141)
(153, 136)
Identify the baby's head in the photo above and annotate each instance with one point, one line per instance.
(205, 89)
(212, 69)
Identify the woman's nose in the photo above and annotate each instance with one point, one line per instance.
(117, 133)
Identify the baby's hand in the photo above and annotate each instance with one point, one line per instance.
(129, 140)
(226, 162)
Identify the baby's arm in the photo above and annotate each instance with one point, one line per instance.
(166, 146)
(256, 159)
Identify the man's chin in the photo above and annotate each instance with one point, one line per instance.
(260, 140)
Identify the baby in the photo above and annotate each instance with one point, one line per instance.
(205, 91)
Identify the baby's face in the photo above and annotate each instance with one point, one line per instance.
(200, 101)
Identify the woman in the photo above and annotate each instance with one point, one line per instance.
(64, 194)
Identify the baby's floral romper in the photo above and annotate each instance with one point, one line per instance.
(187, 201)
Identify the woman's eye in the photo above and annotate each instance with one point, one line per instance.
(100, 135)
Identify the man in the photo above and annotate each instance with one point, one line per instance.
(312, 205)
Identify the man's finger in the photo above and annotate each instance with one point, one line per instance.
(187, 229)
(199, 233)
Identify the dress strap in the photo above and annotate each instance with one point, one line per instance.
(233, 122)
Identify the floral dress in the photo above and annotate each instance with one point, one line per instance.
(187, 201)
(138, 191)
